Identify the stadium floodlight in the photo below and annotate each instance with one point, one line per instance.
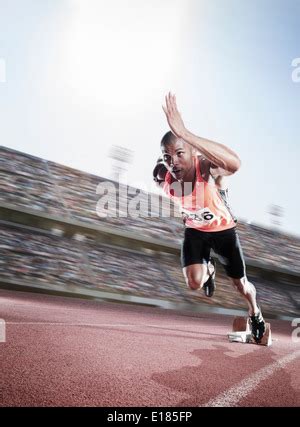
(57, 231)
(121, 158)
(276, 213)
(79, 237)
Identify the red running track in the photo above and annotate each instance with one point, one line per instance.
(69, 352)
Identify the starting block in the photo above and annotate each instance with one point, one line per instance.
(241, 332)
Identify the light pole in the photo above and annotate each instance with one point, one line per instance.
(276, 213)
(121, 158)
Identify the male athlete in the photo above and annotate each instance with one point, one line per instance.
(197, 184)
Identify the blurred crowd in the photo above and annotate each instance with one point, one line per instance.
(270, 247)
(30, 182)
(60, 191)
(64, 263)
(47, 259)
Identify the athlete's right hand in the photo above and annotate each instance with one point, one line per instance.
(173, 116)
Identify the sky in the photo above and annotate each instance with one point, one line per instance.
(78, 77)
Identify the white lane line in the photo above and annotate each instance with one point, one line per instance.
(233, 395)
(116, 325)
(169, 329)
(70, 324)
(41, 306)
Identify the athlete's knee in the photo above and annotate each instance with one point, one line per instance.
(243, 285)
(192, 282)
(195, 276)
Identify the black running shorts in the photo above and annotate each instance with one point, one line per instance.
(197, 244)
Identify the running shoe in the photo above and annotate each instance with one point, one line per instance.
(258, 326)
(210, 285)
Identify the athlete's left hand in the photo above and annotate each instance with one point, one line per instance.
(173, 116)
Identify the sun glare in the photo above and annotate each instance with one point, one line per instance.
(118, 52)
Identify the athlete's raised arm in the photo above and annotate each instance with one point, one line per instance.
(219, 155)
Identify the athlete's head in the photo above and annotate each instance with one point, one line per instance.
(177, 156)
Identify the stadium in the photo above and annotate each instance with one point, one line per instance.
(149, 230)
(95, 311)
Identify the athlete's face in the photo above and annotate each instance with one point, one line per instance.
(178, 158)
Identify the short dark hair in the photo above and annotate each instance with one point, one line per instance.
(168, 138)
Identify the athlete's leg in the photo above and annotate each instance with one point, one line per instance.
(248, 291)
(197, 274)
(226, 244)
(195, 255)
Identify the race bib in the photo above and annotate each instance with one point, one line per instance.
(201, 215)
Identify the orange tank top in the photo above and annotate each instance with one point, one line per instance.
(204, 208)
